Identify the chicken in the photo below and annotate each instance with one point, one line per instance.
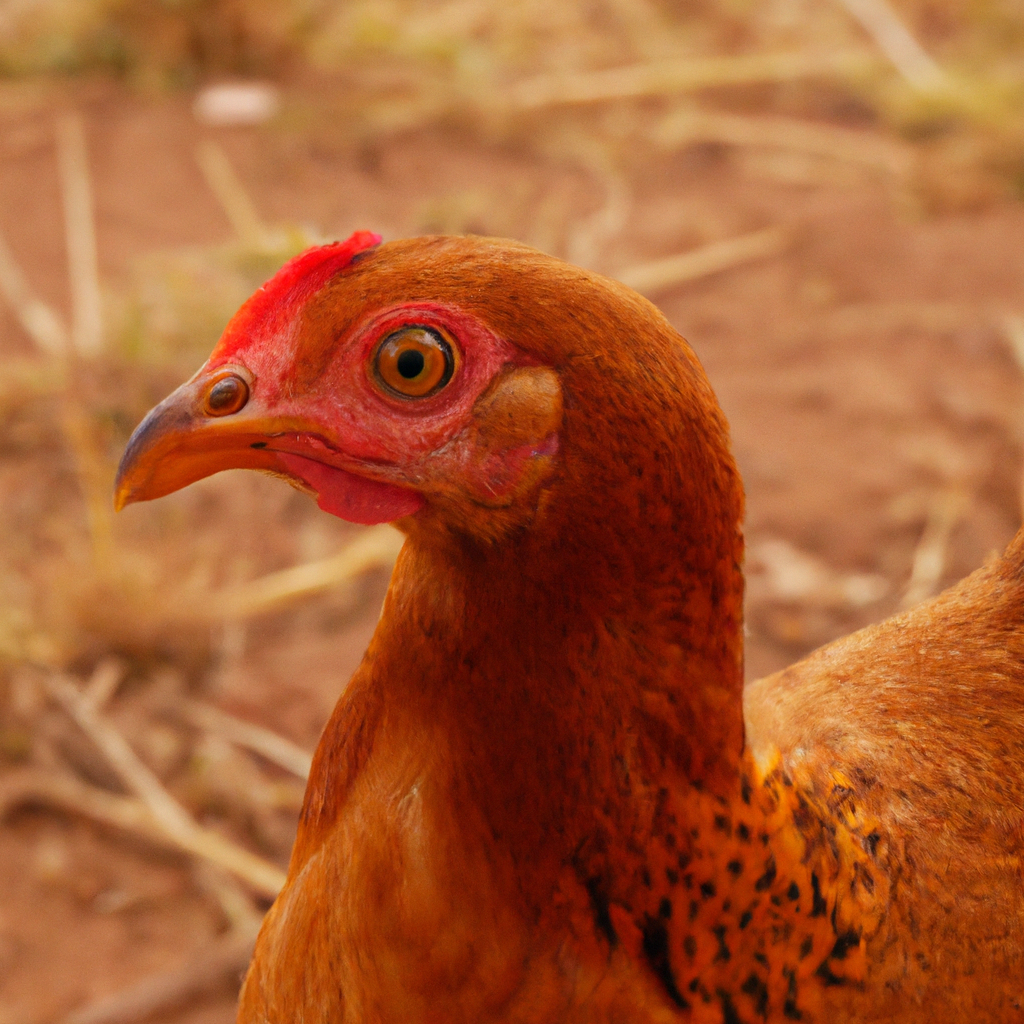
(536, 800)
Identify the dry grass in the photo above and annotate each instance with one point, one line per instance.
(596, 85)
(948, 72)
(136, 611)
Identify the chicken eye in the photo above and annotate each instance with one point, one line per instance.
(227, 395)
(414, 362)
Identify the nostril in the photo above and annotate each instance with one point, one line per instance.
(227, 396)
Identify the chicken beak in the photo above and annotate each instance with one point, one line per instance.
(205, 426)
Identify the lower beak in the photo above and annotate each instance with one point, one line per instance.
(179, 443)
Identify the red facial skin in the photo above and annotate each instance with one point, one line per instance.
(371, 440)
(343, 435)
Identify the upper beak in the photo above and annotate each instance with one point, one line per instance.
(180, 442)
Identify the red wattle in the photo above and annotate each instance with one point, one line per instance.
(351, 497)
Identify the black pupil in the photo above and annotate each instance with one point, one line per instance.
(410, 364)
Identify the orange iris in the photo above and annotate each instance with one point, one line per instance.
(226, 395)
(414, 362)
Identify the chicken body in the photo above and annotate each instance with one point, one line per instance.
(910, 734)
(534, 801)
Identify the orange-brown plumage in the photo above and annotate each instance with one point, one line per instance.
(534, 801)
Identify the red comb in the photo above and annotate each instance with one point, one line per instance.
(300, 278)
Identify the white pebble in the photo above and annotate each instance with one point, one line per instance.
(234, 103)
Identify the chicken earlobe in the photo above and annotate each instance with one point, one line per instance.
(502, 459)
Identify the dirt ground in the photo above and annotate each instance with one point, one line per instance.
(868, 371)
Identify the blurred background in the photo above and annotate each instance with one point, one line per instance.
(824, 196)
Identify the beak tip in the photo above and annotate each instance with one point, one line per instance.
(147, 446)
(125, 489)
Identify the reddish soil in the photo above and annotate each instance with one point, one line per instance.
(866, 372)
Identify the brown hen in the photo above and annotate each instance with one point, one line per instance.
(534, 802)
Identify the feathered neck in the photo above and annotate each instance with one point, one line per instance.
(603, 638)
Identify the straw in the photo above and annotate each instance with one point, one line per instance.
(895, 40)
(373, 548)
(232, 195)
(660, 275)
(39, 321)
(170, 817)
(689, 126)
(682, 75)
(274, 747)
(80, 228)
